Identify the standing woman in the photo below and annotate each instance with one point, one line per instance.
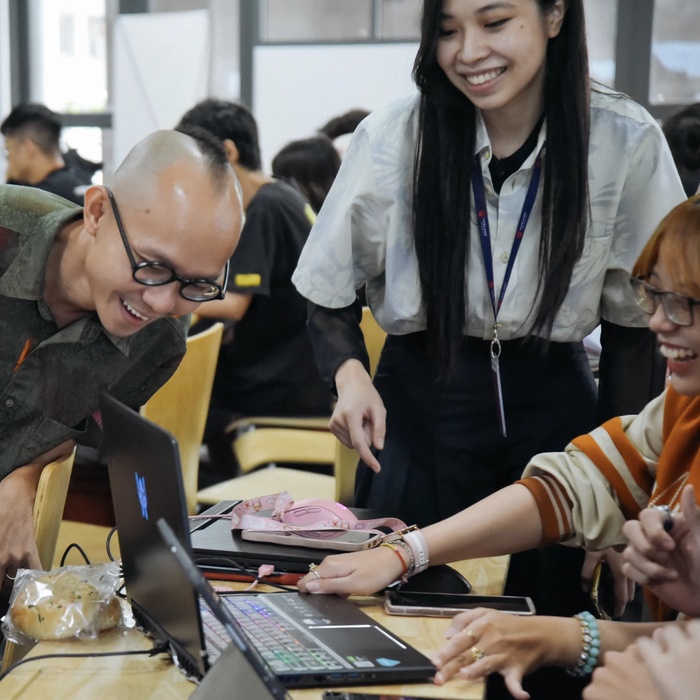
(494, 219)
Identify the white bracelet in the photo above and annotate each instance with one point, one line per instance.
(419, 546)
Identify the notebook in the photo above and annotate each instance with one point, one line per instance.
(332, 641)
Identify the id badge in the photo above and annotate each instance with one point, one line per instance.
(498, 388)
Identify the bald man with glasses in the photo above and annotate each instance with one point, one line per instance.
(99, 299)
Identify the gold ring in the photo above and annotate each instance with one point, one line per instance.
(478, 653)
(470, 634)
(313, 567)
(316, 574)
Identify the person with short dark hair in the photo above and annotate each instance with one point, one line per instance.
(99, 299)
(267, 368)
(32, 142)
(311, 164)
(682, 131)
(345, 123)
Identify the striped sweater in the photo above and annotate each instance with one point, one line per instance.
(586, 493)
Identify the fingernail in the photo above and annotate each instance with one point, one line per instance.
(313, 587)
(449, 633)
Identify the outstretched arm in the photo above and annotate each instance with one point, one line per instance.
(505, 522)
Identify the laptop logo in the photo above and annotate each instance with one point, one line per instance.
(388, 662)
(141, 492)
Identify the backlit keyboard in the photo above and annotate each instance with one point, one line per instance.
(281, 645)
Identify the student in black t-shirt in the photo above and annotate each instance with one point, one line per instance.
(268, 367)
(32, 134)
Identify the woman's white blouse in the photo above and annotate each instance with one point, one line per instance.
(363, 234)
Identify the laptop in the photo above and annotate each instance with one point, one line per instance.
(221, 551)
(306, 640)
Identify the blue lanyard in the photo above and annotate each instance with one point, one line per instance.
(485, 233)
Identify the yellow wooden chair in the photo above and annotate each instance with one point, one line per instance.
(182, 403)
(271, 441)
(49, 502)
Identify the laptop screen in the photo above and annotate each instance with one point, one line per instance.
(146, 484)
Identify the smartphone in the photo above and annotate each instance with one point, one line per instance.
(337, 695)
(603, 592)
(345, 541)
(449, 604)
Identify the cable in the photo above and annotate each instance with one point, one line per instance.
(203, 561)
(108, 543)
(154, 651)
(74, 545)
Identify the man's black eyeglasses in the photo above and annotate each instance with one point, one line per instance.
(678, 309)
(155, 274)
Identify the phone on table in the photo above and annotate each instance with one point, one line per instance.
(338, 695)
(449, 604)
(603, 591)
(342, 541)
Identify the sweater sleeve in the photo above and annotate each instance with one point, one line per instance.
(586, 493)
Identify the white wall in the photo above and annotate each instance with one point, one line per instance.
(160, 69)
(5, 95)
(296, 89)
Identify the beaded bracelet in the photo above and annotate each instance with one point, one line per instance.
(590, 650)
(404, 576)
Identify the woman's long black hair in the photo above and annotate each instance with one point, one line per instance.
(442, 191)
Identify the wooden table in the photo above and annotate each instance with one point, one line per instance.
(130, 677)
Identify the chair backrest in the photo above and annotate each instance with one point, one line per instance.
(345, 457)
(182, 403)
(375, 336)
(49, 503)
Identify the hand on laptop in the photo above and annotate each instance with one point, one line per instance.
(359, 418)
(357, 573)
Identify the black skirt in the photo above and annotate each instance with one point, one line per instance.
(444, 450)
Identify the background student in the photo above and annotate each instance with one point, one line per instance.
(32, 141)
(267, 368)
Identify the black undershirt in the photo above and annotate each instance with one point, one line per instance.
(502, 168)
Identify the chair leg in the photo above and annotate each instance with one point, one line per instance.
(13, 653)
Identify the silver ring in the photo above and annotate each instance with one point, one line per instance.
(478, 653)
(316, 574)
(667, 513)
(11, 578)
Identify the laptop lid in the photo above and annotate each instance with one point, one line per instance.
(241, 664)
(219, 549)
(146, 484)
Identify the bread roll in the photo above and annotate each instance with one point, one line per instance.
(62, 604)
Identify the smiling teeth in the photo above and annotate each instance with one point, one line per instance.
(677, 353)
(484, 77)
(134, 311)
